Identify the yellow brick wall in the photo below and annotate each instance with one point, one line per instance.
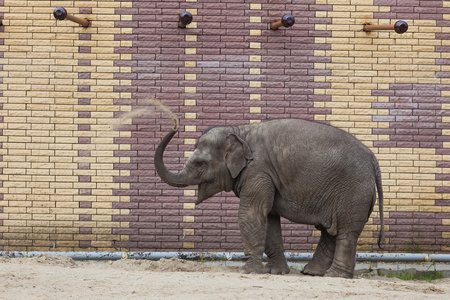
(41, 118)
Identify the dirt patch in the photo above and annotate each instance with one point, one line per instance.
(42, 259)
(168, 265)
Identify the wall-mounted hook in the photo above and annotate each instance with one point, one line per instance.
(286, 21)
(399, 27)
(184, 19)
(60, 13)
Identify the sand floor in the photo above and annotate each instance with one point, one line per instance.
(60, 277)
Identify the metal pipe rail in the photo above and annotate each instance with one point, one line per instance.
(232, 256)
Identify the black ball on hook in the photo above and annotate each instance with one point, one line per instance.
(288, 20)
(400, 27)
(60, 13)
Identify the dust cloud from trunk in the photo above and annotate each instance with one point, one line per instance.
(150, 110)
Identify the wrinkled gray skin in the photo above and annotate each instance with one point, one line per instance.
(306, 172)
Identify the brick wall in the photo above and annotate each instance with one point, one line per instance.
(72, 182)
(58, 148)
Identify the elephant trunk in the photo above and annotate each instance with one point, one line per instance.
(176, 180)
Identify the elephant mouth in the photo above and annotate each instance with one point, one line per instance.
(206, 190)
(201, 195)
(198, 201)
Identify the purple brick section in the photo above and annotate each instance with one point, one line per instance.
(415, 231)
(415, 116)
(84, 244)
(412, 10)
(2, 42)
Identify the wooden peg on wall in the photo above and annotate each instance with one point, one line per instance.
(286, 21)
(60, 13)
(399, 27)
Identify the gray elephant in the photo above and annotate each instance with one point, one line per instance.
(306, 172)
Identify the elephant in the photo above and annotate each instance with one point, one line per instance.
(305, 171)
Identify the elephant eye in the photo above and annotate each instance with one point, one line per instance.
(199, 164)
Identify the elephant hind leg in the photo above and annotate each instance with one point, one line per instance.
(345, 256)
(274, 247)
(323, 256)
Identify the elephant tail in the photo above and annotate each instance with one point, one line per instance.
(381, 236)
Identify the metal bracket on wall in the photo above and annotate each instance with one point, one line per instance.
(184, 19)
(399, 27)
(286, 21)
(60, 13)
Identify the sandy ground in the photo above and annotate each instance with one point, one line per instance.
(53, 277)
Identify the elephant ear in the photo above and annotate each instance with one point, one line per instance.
(238, 154)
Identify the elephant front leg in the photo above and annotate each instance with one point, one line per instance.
(255, 205)
(274, 247)
(253, 231)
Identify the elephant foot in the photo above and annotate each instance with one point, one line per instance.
(254, 267)
(334, 271)
(278, 268)
(315, 269)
